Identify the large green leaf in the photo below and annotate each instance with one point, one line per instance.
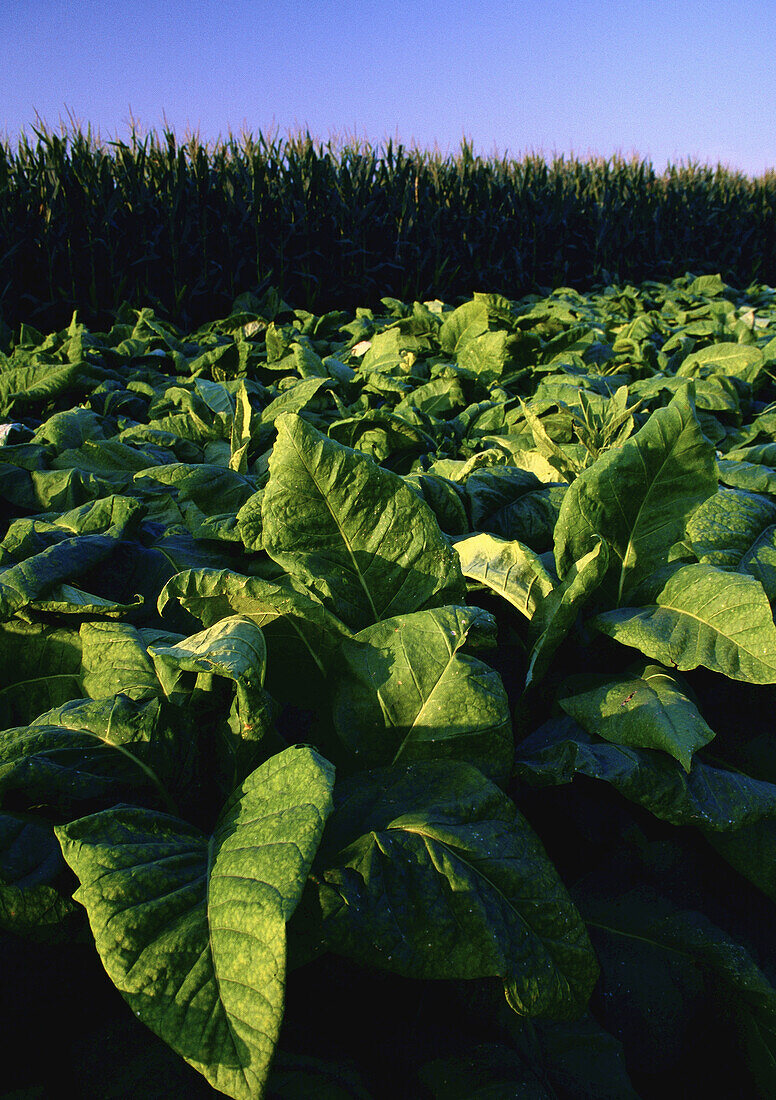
(406, 692)
(385, 437)
(70, 429)
(764, 453)
(293, 399)
(39, 668)
(233, 647)
(241, 431)
(214, 490)
(351, 532)
(558, 610)
(708, 797)
(647, 709)
(430, 871)
(112, 515)
(26, 581)
(492, 489)
(732, 360)
(115, 659)
(566, 467)
(37, 381)
(727, 526)
(530, 519)
(760, 561)
(212, 594)
(703, 616)
(65, 599)
(232, 650)
(190, 928)
(749, 476)
(50, 490)
(508, 567)
(83, 751)
(465, 332)
(30, 863)
(638, 498)
(445, 498)
(148, 731)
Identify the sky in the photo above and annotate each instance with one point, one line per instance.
(663, 80)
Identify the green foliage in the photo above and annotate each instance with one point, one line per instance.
(388, 699)
(192, 929)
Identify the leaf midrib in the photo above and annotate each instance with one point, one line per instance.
(456, 853)
(216, 977)
(651, 486)
(425, 701)
(338, 525)
(727, 637)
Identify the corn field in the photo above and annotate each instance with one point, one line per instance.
(187, 227)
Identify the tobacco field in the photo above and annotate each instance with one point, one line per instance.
(387, 700)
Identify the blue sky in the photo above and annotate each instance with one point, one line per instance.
(667, 81)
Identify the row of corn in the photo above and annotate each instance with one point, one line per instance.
(186, 226)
